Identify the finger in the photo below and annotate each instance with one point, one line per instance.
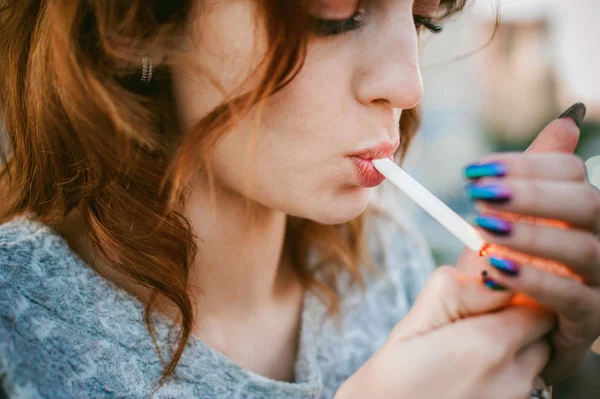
(471, 262)
(532, 359)
(574, 301)
(514, 327)
(549, 166)
(449, 295)
(562, 134)
(574, 203)
(577, 249)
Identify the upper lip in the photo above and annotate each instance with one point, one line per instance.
(383, 150)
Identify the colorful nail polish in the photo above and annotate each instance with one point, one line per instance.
(496, 193)
(505, 266)
(494, 225)
(491, 169)
(576, 112)
(491, 283)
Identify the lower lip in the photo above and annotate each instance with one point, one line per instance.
(368, 176)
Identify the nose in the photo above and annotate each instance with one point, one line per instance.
(388, 66)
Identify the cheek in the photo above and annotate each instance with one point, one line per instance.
(294, 160)
(276, 175)
(225, 42)
(317, 110)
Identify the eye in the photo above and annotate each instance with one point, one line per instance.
(331, 27)
(325, 27)
(427, 23)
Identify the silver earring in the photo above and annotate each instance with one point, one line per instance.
(147, 69)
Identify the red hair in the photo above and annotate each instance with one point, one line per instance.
(85, 135)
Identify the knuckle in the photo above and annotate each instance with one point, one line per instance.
(542, 283)
(579, 168)
(533, 195)
(488, 349)
(529, 166)
(514, 164)
(590, 251)
(444, 280)
(576, 304)
(592, 196)
(496, 352)
(533, 239)
(545, 352)
(523, 388)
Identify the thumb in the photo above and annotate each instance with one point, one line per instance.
(562, 134)
(448, 296)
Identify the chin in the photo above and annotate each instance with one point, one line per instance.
(343, 207)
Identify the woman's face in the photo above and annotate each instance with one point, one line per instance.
(297, 153)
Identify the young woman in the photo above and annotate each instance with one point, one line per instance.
(185, 208)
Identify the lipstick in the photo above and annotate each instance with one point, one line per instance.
(367, 174)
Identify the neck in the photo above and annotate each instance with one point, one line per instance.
(240, 262)
(238, 267)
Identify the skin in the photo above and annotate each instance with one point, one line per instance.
(349, 96)
(549, 182)
(455, 318)
(303, 169)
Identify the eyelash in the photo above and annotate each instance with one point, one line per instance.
(323, 27)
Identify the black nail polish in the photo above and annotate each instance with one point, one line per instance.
(505, 266)
(491, 283)
(576, 112)
(495, 225)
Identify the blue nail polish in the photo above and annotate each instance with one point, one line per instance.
(494, 225)
(491, 169)
(505, 266)
(493, 285)
(495, 193)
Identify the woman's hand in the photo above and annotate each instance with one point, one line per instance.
(452, 346)
(540, 204)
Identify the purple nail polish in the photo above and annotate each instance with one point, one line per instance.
(490, 169)
(495, 193)
(494, 225)
(505, 266)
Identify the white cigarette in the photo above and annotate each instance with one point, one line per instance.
(430, 203)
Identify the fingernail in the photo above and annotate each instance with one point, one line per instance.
(505, 266)
(576, 112)
(491, 169)
(494, 225)
(491, 283)
(490, 192)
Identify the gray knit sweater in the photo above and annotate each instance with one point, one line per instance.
(66, 332)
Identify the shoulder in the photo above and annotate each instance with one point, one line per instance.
(36, 263)
(59, 319)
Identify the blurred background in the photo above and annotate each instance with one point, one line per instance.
(481, 99)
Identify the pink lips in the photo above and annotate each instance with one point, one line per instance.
(367, 175)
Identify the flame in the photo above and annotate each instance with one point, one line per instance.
(484, 249)
(548, 266)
